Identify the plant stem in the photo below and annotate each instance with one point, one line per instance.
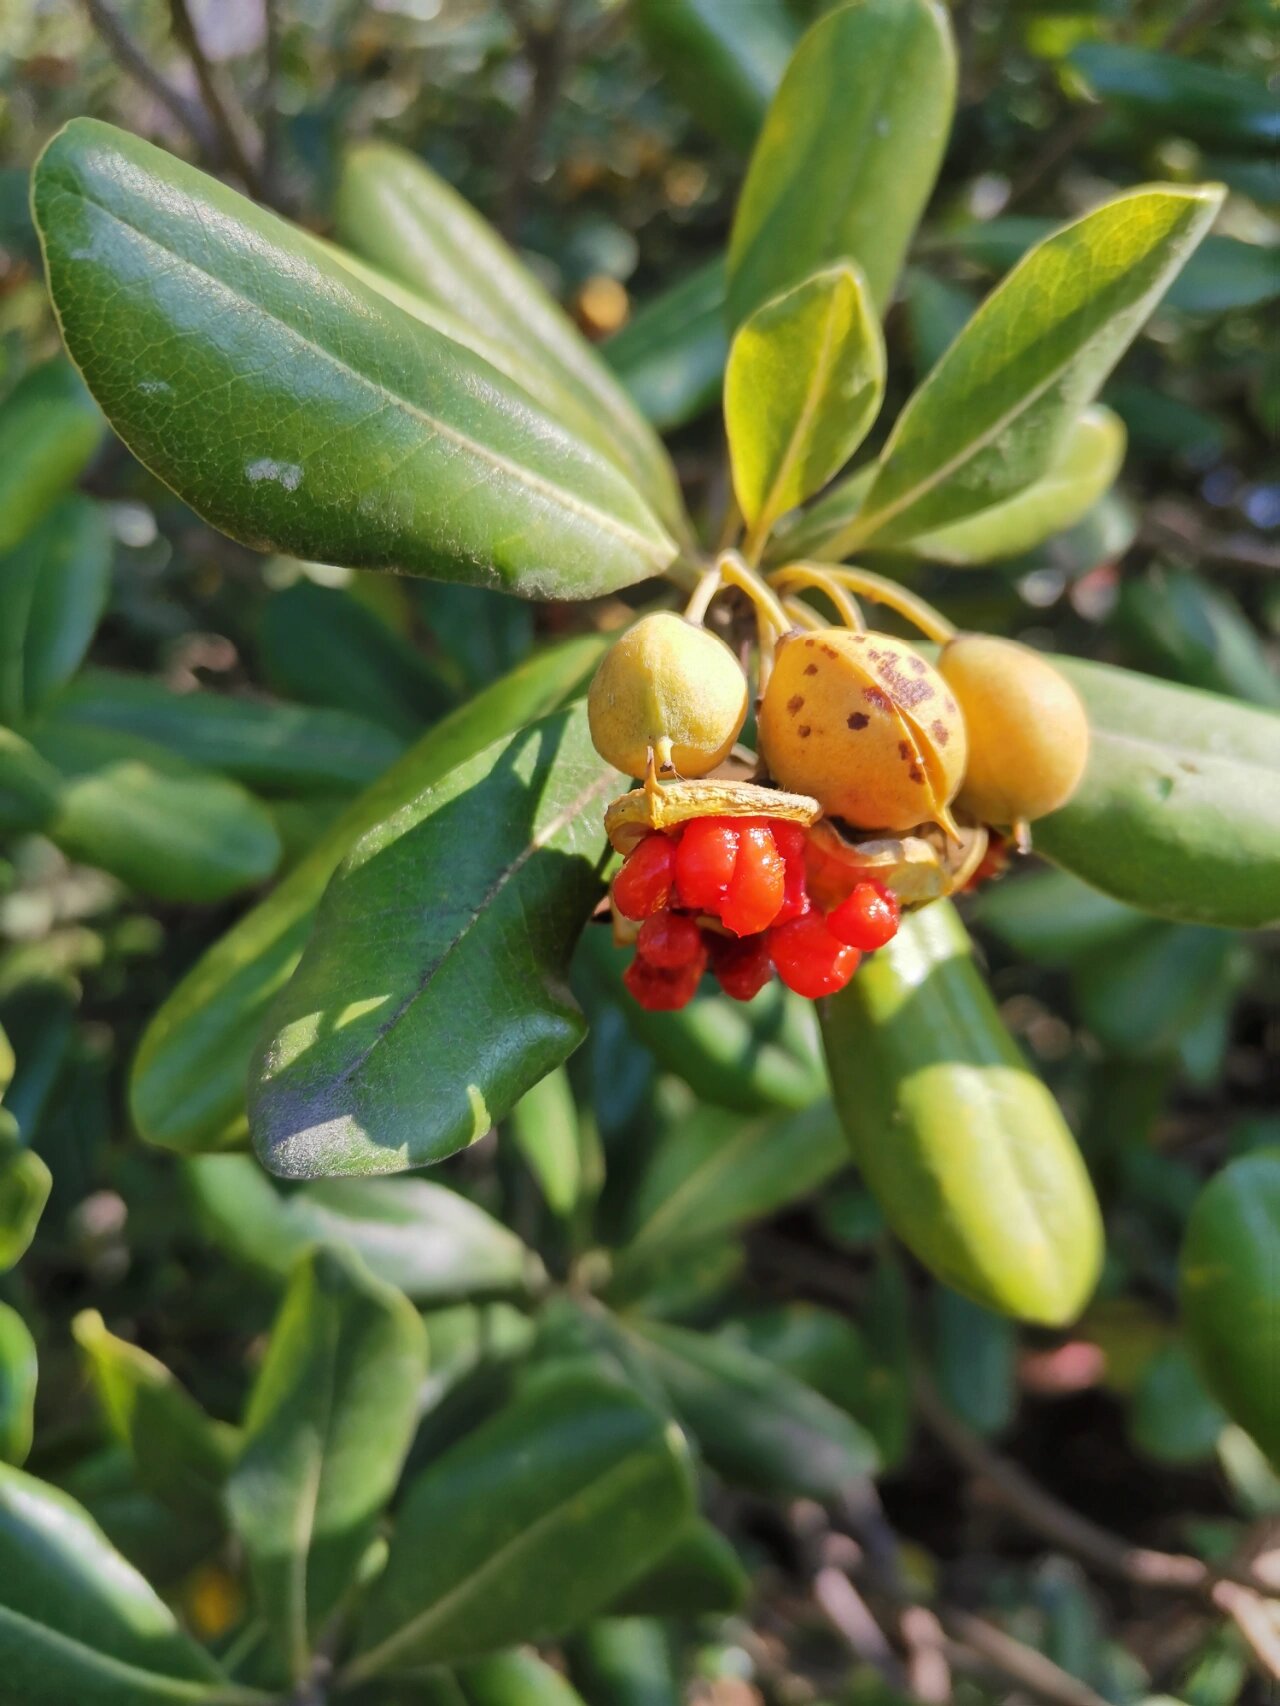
(809, 574)
(881, 590)
(736, 572)
(696, 609)
(131, 59)
(229, 119)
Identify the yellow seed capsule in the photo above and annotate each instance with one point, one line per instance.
(1028, 733)
(866, 725)
(668, 685)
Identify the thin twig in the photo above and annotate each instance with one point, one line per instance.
(1172, 526)
(1020, 1663)
(546, 48)
(131, 59)
(234, 128)
(269, 112)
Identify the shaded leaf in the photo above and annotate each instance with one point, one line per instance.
(545, 1126)
(723, 61)
(1189, 97)
(18, 1373)
(698, 1574)
(49, 429)
(538, 1520)
(25, 1183)
(326, 1431)
(29, 786)
(857, 129)
(624, 1661)
(1053, 918)
(53, 587)
(188, 1084)
(409, 1028)
(298, 409)
(423, 1238)
(804, 382)
(974, 1361)
(994, 414)
(983, 1181)
(515, 1679)
(1171, 1417)
(1179, 809)
(671, 354)
(1191, 631)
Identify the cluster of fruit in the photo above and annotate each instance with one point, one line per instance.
(731, 894)
(874, 744)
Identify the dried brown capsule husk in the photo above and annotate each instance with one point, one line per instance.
(920, 867)
(633, 816)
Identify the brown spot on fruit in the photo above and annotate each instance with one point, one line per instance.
(916, 773)
(829, 653)
(904, 750)
(859, 720)
(794, 703)
(938, 729)
(804, 731)
(811, 642)
(811, 669)
(918, 664)
(874, 696)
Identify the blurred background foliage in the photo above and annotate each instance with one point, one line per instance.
(203, 715)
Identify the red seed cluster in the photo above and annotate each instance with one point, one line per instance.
(730, 893)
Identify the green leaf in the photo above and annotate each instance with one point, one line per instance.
(49, 429)
(1179, 809)
(671, 354)
(974, 1361)
(713, 1172)
(409, 1029)
(326, 1432)
(1187, 97)
(1142, 993)
(25, 1183)
(857, 131)
(701, 1573)
(6, 1062)
(993, 416)
(19, 1369)
(298, 409)
(1230, 1298)
(1191, 631)
(1172, 1418)
(756, 1424)
(515, 1679)
(533, 1524)
(78, 1623)
(624, 1661)
(544, 1124)
(53, 587)
(162, 826)
(393, 210)
(816, 1346)
(724, 61)
(179, 1454)
(283, 749)
(323, 646)
(1085, 468)
(1227, 274)
(982, 1180)
(1052, 918)
(764, 1053)
(188, 1083)
(29, 787)
(421, 1237)
(804, 383)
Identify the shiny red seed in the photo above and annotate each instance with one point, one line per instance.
(671, 940)
(643, 885)
(792, 839)
(742, 965)
(808, 957)
(705, 860)
(659, 990)
(758, 885)
(795, 898)
(867, 919)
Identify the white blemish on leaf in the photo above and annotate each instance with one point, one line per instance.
(286, 474)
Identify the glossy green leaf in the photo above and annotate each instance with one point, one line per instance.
(296, 408)
(961, 1143)
(624, 1661)
(756, 1424)
(974, 1361)
(536, 1522)
(29, 786)
(1187, 97)
(713, 1172)
(1183, 627)
(857, 130)
(188, 1084)
(762, 1054)
(25, 1183)
(179, 1453)
(289, 749)
(515, 1679)
(421, 1237)
(1053, 918)
(1085, 468)
(1171, 1417)
(326, 1431)
(406, 1033)
(49, 429)
(994, 414)
(545, 1127)
(723, 60)
(323, 646)
(672, 352)
(160, 825)
(78, 1623)
(19, 1369)
(804, 382)
(1179, 809)
(699, 1574)
(1230, 1290)
(53, 587)
(393, 210)
(1142, 993)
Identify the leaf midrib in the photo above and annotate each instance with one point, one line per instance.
(535, 483)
